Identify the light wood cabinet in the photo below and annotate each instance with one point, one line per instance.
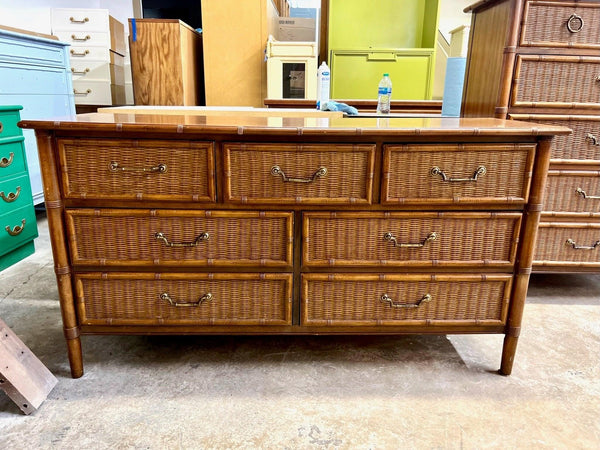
(166, 62)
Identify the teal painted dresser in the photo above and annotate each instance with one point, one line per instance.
(17, 214)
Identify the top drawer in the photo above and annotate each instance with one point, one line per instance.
(129, 169)
(298, 174)
(8, 121)
(77, 19)
(564, 24)
(457, 174)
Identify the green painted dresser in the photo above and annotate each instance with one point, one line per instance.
(18, 227)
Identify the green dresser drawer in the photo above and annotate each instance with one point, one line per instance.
(12, 157)
(356, 74)
(14, 193)
(17, 227)
(9, 116)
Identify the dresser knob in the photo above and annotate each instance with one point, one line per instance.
(574, 23)
(387, 299)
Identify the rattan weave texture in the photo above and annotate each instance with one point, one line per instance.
(349, 175)
(549, 80)
(359, 301)
(86, 163)
(546, 24)
(561, 192)
(136, 300)
(354, 239)
(410, 179)
(117, 237)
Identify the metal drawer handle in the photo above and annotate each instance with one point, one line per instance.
(481, 170)
(574, 23)
(80, 72)
(585, 196)
(390, 237)
(205, 298)
(87, 91)
(592, 138)
(387, 299)
(572, 243)
(201, 237)
(114, 167)
(17, 229)
(73, 20)
(74, 53)
(86, 38)
(1, 127)
(12, 196)
(276, 171)
(5, 162)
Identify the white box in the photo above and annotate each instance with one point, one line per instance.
(296, 29)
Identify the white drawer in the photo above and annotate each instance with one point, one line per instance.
(84, 38)
(92, 92)
(78, 19)
(97, 71)
(83, 53)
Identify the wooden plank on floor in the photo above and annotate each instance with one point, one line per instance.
(24, 378)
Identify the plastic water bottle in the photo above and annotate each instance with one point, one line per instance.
(384, 95)
(323, 83)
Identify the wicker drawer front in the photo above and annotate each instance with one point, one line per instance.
(451, 174)
(410, 239)
(556, 82)
(355, 300)
(190, 299)
(298, 174)
(188, 238)
(568, 244)
(573, 191)
(582, 146)
(564, 24)
(137, 170)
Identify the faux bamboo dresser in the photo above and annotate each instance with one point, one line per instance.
(199, 224)
(539, 61)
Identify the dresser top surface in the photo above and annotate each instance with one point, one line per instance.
(277, 122)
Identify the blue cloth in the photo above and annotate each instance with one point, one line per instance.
(453, 86)
(338, 106)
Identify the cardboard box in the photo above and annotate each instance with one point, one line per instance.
(296, 29)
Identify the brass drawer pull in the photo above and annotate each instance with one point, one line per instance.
(387, 299)
(585, 196)
(481, 170)
(5, 162)
(12, 196)
(114, 167)
(74, 53)
(592, 138)
(205, 298)
(80, 72)
(87, 91)
(390, 237)
(86, 38)
(276, 171)
(1, 127)
(17, 229)
(572, 243)
(574, 23)
(73, 20)
(201, 237)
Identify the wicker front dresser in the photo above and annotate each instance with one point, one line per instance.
(200, 224)
(539, 61)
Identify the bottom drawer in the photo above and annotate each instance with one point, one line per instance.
(363, 300)
(184, 299)
(568, 244)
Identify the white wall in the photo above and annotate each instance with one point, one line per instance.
(34, 15)
(452, 15)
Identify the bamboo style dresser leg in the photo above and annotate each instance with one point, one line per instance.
(62, 268)
(531, 220)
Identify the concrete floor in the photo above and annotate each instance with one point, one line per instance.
(416, 392)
